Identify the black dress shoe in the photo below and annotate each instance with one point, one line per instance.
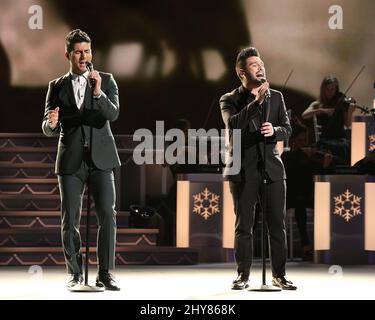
(105, 279)
(242, 282)
(74, 279)
(283, 283)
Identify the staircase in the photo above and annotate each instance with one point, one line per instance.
(30, 216)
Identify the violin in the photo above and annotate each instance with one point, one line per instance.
(351, 102)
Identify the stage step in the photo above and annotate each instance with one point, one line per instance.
(127, 255)
(30, 196)
(27, 165)
(28, 181)
(51, 230)
(30, 231)
(6, 213)
(29, 149)
(51, 237)
(35, 219)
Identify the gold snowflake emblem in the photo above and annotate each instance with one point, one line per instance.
(371, 139)
(347, 205)
(206, 203)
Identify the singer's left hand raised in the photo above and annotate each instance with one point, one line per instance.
(267, 129)
(261, 92)
(96, 76)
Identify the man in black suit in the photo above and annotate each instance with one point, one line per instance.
(68, 113)
(245, 108)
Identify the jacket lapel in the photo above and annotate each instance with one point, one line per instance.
(256, 123)
(66, 93)
(87, 100)
(265, 108)
(268, 108)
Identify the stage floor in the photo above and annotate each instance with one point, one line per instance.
(203, 281)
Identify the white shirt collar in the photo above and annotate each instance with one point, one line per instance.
(75, 76)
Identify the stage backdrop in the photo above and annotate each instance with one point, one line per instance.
(174, 59)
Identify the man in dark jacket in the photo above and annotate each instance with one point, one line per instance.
(68, 113)
(246, 108)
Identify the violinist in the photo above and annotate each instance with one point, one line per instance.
(333, 113)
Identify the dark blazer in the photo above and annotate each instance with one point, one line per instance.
(240, 111)
(73, 126)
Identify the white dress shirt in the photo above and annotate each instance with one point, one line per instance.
(79, 83)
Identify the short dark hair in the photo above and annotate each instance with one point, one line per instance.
(75, 36)
(243, 55)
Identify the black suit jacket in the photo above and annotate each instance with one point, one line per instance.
(240, 111)
(74, 125)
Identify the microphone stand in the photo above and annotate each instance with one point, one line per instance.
(264, 287)
(86, 287)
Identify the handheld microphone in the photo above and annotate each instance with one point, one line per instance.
(268, 93)
(90, 68)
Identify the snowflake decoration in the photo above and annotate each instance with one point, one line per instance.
(206, 203)
(347, 205)
(371, 139)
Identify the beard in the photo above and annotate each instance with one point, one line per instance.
(253, 79)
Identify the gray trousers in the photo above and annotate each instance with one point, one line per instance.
(72, 187)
